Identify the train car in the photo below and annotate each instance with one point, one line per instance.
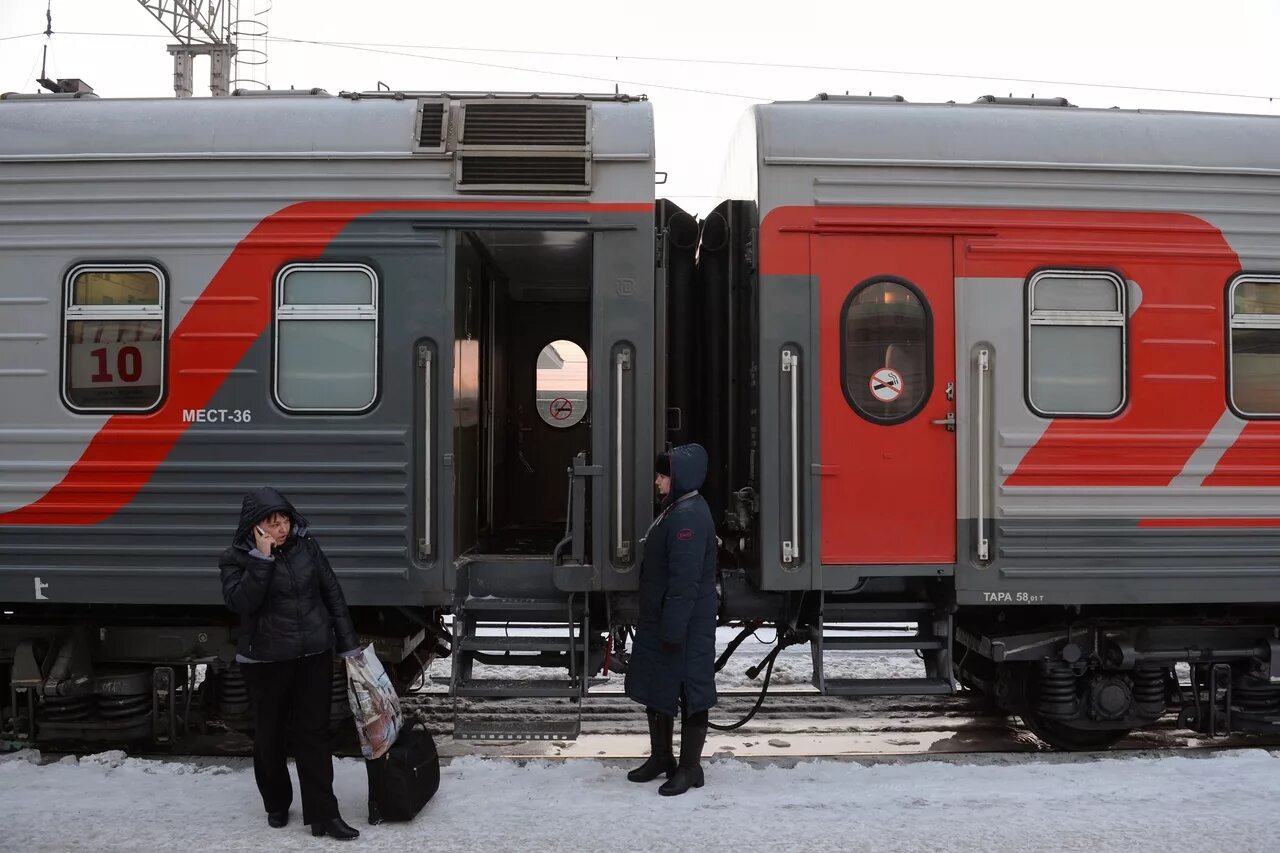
(410, 313)
(1018, 359)
(1000, 371)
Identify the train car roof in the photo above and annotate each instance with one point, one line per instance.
(886, 132)
(285, 125)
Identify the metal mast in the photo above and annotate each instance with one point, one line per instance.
(202, 29)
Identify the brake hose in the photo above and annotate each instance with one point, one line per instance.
(764, 688)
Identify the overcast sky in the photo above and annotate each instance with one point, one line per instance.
(1216, 55)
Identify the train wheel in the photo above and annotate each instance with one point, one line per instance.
(1058, 734)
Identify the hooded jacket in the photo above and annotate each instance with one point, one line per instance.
(290, 604)
(678, 597)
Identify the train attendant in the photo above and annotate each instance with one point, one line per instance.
(673, 658)
(292, 612)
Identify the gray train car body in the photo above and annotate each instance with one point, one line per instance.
(1038, 360)
(1001, 372)
(230, 207)
(362, 301)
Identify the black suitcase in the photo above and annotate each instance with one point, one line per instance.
(404, 778)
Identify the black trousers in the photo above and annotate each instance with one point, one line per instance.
(291, 709)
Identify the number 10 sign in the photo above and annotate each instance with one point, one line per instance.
(97, 365)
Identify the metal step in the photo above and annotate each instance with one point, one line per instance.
(464, 729)
(514, 688)
(504, 643)
(880, 643)
(524, 610)
(886, 686)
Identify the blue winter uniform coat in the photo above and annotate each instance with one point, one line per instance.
(678, 597)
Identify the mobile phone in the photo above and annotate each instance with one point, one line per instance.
(261, 532)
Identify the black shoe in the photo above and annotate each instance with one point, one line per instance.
(654, 766)
(278, 819)
(689, 771)
(335, 827)
(661, 760)
(682, 780)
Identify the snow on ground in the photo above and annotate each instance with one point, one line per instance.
(1223, 802)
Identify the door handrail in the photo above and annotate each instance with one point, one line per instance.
(984, 367)
(791, 365)
(622, 549)
(424, 362)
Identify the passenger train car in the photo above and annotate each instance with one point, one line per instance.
(1003, 371)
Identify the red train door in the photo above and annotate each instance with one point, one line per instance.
(888, 450)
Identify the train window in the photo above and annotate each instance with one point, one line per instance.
(305, 286)
(1254, 306)
(326, 341)
(562, 383)
(114, 338)
(886, 357)
(1076, 328)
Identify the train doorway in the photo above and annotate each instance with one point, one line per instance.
(521, 386)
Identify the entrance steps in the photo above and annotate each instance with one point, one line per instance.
(534, 648)
(860, 626)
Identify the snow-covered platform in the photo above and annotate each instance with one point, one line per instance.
(1202, 801)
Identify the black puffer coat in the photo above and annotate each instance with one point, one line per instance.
(291, 605)
(678, 597)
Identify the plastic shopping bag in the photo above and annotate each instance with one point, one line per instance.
(374, 703)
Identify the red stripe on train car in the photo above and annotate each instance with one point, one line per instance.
(1180, 263)
(232, 301)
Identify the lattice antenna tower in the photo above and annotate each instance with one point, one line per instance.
(250, 33)
(213, 28)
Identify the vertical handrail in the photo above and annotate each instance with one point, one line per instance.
(984, 367)
(424, 362)
(791, 365)
(621, 361)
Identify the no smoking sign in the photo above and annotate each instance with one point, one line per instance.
(560, 408)
(886, 385)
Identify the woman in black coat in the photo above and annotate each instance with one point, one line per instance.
(292, 612)
(673, 658)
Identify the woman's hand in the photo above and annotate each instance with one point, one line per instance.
(262, 541)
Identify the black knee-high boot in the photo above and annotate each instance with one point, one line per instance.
(693, 736)
(661, 760)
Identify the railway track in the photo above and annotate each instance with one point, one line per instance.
(781, 711)
(803, 724)
(790, 725)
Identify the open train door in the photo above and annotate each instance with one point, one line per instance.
(552, 416)
(888, 452)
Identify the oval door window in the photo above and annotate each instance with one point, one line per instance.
(886, 350)
(562, 384)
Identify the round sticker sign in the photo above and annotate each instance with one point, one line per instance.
(560, 408)
(886, 385)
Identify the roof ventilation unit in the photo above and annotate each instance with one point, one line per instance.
(431, 130)
(524, 146)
